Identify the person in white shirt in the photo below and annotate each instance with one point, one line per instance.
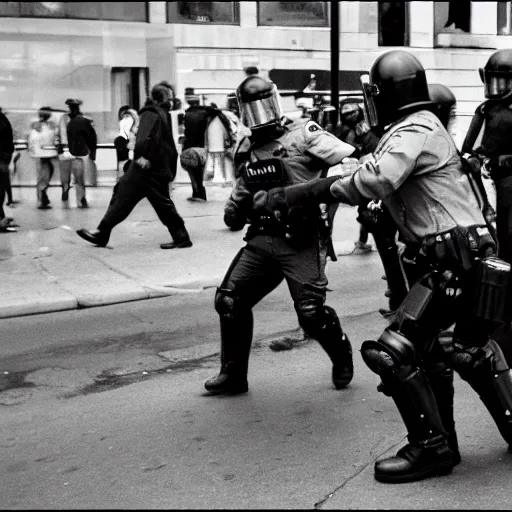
(41, 146)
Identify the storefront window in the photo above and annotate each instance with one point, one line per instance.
(116, 11)
(226, 13)
(11, 9)
(504, 18)
(393, 24)
(295, 14)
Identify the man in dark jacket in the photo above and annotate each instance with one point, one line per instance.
(195, 122)
(6, 152)
(149, 176)
(82, 142)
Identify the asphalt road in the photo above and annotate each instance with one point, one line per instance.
(105, 408)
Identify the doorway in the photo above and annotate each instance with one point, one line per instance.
(129, 87)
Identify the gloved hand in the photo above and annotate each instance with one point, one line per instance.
(143, 163)
(272, 203)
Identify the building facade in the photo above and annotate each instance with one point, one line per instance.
(108, 53)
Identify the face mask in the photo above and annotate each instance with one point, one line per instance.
(166, 105)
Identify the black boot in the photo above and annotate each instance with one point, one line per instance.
(416, 461)
(181, 240)
(97, 237)
(337, 346)
(440, 378)
(428, 452)
(236, 339)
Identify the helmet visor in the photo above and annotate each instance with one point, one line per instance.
(262, 111)
(496, 84)
(369, 93)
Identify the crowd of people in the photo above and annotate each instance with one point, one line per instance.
(446, 252)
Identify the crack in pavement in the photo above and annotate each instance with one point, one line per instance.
(318, 504)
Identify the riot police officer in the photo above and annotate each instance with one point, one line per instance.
(417, 172)
(279, 152)
(494, 149)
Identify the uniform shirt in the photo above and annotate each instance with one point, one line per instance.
(417, 172)
(305, 150)
(497, 131)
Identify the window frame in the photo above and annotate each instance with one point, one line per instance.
(326, 26)
(67, 17)
(235, 23)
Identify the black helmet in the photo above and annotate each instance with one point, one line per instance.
(259, 104)
(497, 74)
(395, 87)
(445, 102)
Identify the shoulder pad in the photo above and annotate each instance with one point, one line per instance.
(481, 108)
(311, 126)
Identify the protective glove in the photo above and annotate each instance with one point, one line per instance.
(272, 203)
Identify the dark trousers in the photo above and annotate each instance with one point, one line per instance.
(5, 186)
(504, 218)
(196, 180)
(135, 185)
(267, 260)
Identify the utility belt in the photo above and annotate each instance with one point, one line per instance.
(458, 248)
(301, 227)
(464, 249)
(265, 225)
(500, 167)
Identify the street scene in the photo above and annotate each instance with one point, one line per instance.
(255, 255)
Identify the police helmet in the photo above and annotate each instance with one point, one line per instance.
(497, 75)
(259, 104)
(445, 102)
(395, 87)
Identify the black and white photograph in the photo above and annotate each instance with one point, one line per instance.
(256, 255)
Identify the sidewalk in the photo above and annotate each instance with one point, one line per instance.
(46, 267)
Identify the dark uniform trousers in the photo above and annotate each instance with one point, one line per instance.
(135, 185)
(504, 218)
(266, 260)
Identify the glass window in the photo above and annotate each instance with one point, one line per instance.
(203, 12)
(43, 9)
(393, 24)
(10, 9)
(504, 18)
(297, 14)
(117, 11)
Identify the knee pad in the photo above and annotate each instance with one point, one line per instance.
(312, 316)
(225, 302)
(389, 353)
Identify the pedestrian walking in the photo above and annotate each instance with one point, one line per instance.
(42, 147)
(195, 123)
(220, 140)
(418, 173)
(281, 152)
(82, 141)
(148, 176)
(6, 156)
